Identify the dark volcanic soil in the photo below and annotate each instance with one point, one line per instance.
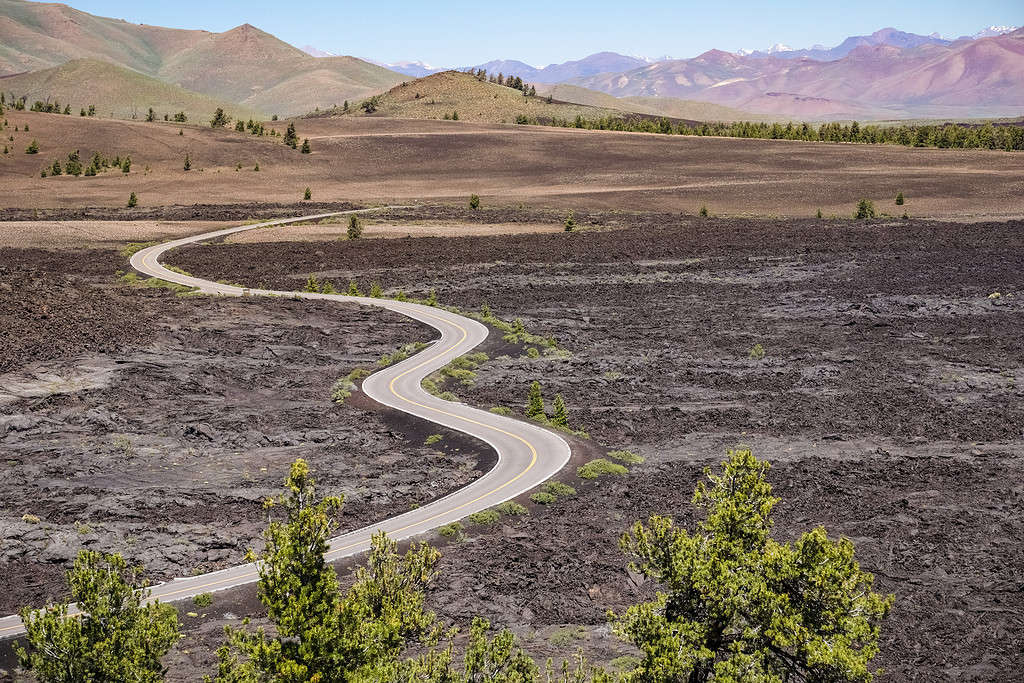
(136, 421)
(889, 400)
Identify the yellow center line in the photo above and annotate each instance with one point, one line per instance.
(391, 387)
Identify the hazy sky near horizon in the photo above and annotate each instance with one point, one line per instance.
(457, 33)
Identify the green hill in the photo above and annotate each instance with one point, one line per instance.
(117, 92)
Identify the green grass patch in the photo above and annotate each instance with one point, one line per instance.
(453, 531)
(133, 248)
(432, 439)
(601, 467)
(626, 457)
(485, 517)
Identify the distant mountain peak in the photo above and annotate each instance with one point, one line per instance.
(313, 51)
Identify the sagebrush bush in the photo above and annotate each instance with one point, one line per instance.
(600, 467)
(543, 498)
(485, 517)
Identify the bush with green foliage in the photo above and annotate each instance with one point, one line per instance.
(355, 227)
(599, 467)
(290, 137)
(557, 488)
(119, 636)
(203, 600)
(33, 147)
(306, 149)
(703, 211)
(485, 517)
(220, 119)
(375, 291)
(570, 221)
(535, 403)
(133, 200)
(474, 201)
(735, 604)
(543, 498)
(307, 195)
(512, 509)
(865, 210)
(757, 352)
(900, 199)
(188, 162)
(432, 439)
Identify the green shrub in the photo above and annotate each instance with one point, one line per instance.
(33, 147)
(355, 227)
(203, 600)
(756, 352)
(865, 210)
(703, 211)
(307, 195)
(485, 517)
(557, 488)
(599, 467)
(512, 509)
(899, 199)
(501, 410)
(627, 457)
(542, 498)
(432, 439)
(133, 200)
(453, 531)
(532, 352)
(474, 201)
(305, 146)
(570, 221)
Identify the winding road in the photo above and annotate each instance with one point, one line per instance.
(527, 454)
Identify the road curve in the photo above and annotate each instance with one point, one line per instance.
(527, 454)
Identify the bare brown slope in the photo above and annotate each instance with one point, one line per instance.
(367, 159)
(245, 65)
(116, 92)
(448, 93)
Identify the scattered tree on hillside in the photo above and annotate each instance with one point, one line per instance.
(151, 116)
(118, 637)
(305, 146)
(240, 126)
(370, 105)
(455, 116)
(307, 195)
(180, 117)
(220, 119)
(133, 200)
(56, 169)
(900, 199)
(92, 110)
(126, 165)
(290, 138)
(74, 164)
(355, 227)
(738, 605)
(33, 147)
(188, 162)
(474, 201)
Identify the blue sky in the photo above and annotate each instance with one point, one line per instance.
(460, 33)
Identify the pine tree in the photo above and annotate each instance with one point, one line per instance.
(290, 138)
(120, 636)
(307, 195)
(133, 201)
(151, 116)
(375, 291)
(474, 201)
(570, 221)
(305, 146)
(353, 289)
(126, 165)
(355, 227)
(561, 416)
(33, 147)
(56, 169)
(220, 119)
(312, 284)
(188, 162)
(240, 126)
(899, 199)
(535, 403)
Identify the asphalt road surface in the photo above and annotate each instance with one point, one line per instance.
(527, 454)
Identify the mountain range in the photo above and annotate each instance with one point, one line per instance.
(52, 50)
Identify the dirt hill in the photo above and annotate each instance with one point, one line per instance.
(246, 65)
(453, 92)
(116, 92)
(657, 106)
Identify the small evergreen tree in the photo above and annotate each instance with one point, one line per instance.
(703, 211)
(33, 147)
(92, 110)
(151, 116)
(188, 162)
(819, 213)
(865, 210)
(432, 297)
(133, 201)
(257, 167)
(355, 227)
(561, 415)
(455, 116)
(180, 117)
(74, 164)
(474, 201)
(220, 119)
(899, 199)
(56, 169)
(375, 291)
(305, 146)
(126, 165)
(274, 117)
(353, 289)
(570, 221)
(307, 195)
(312, 284)
(290, 138)
(119, 637)
(535, 403)
(240, 126)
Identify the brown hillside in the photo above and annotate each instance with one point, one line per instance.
(449, 92)
(117, 92)
(244, 65)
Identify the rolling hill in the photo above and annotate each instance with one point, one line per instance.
(671, 107)
(443, 94)
(245, 65)
(117, 92)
